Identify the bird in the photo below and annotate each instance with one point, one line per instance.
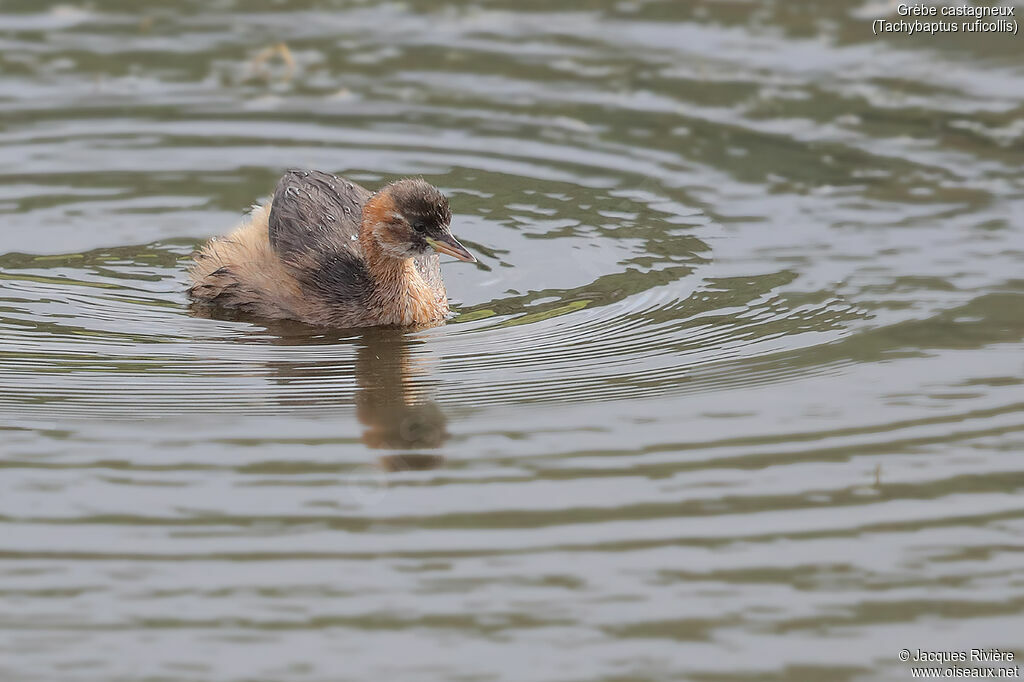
(328, 252)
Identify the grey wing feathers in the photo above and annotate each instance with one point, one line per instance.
(315, 213)
(314, 228)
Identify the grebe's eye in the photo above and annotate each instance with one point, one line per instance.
(419, 226)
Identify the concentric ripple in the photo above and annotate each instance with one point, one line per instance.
(93, 333)
(734, 392)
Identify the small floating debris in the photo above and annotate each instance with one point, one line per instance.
(258, 66)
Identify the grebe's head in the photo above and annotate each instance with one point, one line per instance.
(408, 218)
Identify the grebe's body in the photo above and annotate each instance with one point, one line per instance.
(329, 252)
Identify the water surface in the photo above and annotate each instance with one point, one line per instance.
(734, 393)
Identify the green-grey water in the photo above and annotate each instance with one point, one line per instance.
(734, 393)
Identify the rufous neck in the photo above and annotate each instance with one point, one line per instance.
(378, 211)
(382, 266)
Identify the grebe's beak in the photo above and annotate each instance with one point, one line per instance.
(448, 244)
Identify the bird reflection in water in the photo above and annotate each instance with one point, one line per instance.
(394, 401)
(393, 397)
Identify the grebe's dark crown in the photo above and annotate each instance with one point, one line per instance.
(421, 204)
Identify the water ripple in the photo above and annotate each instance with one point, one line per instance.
(734, 392)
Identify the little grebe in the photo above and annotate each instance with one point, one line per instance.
(329, 252)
